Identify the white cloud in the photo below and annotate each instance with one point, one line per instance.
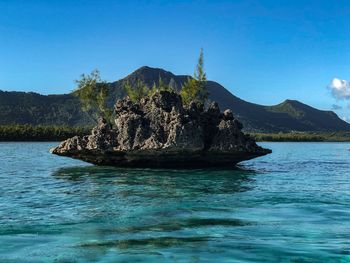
(340, 89)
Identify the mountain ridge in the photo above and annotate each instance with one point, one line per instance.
(289, 115)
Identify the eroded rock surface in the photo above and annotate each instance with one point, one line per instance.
(160, 132)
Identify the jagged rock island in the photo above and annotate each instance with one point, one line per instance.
(160, 132)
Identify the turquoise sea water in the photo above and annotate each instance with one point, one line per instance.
(290, 206)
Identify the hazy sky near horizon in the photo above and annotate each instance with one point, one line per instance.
(262, 51)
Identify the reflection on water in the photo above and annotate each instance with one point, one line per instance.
(157, 242)
(291, 206)
(178, 225)
(150, 209)
(185, 181)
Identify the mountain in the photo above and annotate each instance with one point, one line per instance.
(290, 115)
(287, 116)
(33, 108)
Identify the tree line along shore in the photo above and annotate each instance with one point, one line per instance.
(40, 132)
(18, 132)
(302, 137)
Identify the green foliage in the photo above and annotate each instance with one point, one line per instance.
(191, 92)
(195, 88)
(153, 90)
(302, 137)
(287, 107)
(160, 87)
(164, 87)
(40, 132)
(137, 92)
(140, 90)
(93, 93)
(285, 137)
(199, 73)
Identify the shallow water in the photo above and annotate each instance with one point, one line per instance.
(290, 206)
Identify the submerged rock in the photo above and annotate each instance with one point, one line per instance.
(160, 132)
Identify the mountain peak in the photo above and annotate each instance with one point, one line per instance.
(147, 71)
(149, 76)
(292, 102)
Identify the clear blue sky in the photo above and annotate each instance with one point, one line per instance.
(262, 51)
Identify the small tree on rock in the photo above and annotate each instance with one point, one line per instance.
(93, 93)
(137, 92)
(140, 90)
(195, 88)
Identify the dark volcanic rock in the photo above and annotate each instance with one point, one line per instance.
(160, 132)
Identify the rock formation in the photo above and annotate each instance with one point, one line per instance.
(160, 132)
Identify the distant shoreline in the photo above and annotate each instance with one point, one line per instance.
(302, 137)
(40, 133)
(46, 133)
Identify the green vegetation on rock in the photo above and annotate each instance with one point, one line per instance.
(194, 89)
(136, 92)
(93, 93)
(162, 86)
(141, 90)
